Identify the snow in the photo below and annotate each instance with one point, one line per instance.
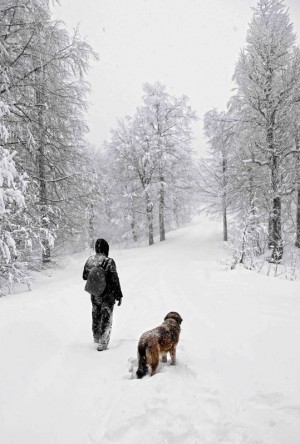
(237, 376)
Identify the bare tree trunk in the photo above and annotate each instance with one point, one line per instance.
(297, 243)
(41, 165)
(242, 257)
(255, 239)
(225, 227)
(162, 233)
(224, 198)
(133, 225)
(149, 211)
(270, 231)
(275, 235)
(176, 212)
(161, 208)
(43, 203)
(91, 228)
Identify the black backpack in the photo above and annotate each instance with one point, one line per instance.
(96, 281)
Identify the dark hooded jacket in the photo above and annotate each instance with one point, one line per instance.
(113, 290)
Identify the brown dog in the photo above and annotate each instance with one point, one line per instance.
(158, 342)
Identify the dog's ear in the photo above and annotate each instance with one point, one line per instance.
(179, 319)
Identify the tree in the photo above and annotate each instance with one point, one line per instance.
(219, 129)
(133, 152)
(42, 83)
(267, 76)
(13, 269)
(153, 157)
(297, 143)
(168, 128)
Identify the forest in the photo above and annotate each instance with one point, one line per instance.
(58, 193)
(252, 173)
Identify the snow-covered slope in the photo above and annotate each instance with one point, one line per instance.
(237, 377)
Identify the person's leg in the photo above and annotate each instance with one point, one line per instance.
(96, 318)
(105, 325)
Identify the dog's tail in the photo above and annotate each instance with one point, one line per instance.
(142, 361)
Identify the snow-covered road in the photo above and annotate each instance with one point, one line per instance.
(237, 377)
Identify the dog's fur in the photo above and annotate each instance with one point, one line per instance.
(158, 342)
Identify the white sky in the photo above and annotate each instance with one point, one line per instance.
(191, 46)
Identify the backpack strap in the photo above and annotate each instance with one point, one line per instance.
(104, 264)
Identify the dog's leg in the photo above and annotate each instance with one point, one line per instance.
(164, 357)
(142, 361)
(173, 355)
(154, 361)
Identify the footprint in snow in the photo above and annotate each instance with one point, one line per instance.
(294, 410)
(268, 399)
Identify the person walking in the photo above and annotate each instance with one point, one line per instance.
(103, 305)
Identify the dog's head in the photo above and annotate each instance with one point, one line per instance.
(174, 315)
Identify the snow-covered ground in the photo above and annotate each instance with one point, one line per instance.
(237, 380)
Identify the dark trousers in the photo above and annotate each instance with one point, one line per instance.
(102, 315)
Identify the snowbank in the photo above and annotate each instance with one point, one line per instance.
(237, 377)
